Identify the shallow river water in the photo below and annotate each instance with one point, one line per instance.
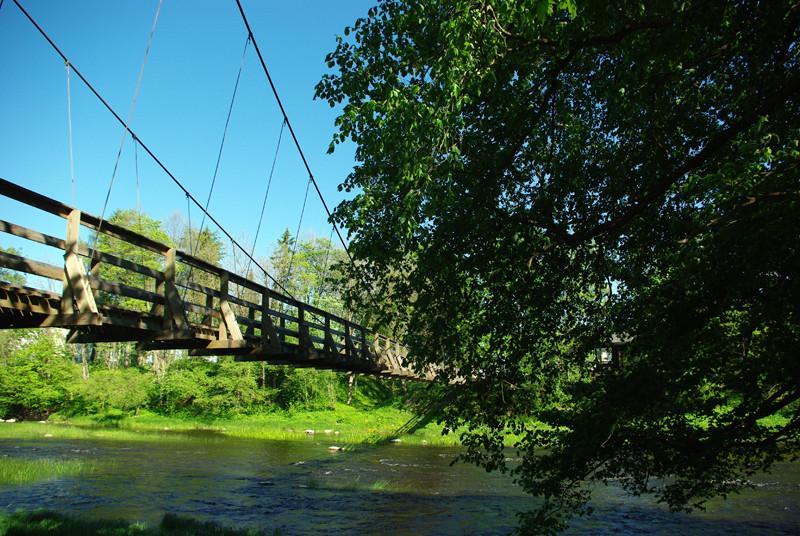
(302, 488)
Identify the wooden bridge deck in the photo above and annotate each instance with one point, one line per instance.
(159, 309)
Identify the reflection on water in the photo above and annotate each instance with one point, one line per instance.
(304, 489)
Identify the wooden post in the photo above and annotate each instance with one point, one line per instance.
(209, 318)
(302, 328)
(364, 349)
(330, 344)
(175, 316)
(269, 338)
(228, 326)
(349, 347)
(251, 326)
(77, 291)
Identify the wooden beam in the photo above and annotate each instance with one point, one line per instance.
(175, 314)
(28, 266)
(79, 295)
(269, 337)
(229, 327)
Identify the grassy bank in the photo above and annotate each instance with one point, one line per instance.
(342, 425)
(52, 523)
(14, 471)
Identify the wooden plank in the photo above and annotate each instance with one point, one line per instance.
(45, 294)
(29, 197)
(26, 304)
(48, 240)
(30, 234)
(198, 288)
(242, 302)
(51, 321)
(21, 264)
(108, 258)
(121, 289)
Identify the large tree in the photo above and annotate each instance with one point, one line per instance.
(536, 179)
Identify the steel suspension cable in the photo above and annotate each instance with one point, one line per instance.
(297, 234)
(222, 141)
(131, 111)
(144, 146)
(199, 241)
(138, 194)
(266, 195)
(189, 218)
(138, 188)
(291, 130)
(324, 272)
(69, 130)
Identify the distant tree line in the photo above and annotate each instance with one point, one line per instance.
(40, 374)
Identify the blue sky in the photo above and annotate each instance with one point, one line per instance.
(181, 108)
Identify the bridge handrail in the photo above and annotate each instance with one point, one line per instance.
(357, 334)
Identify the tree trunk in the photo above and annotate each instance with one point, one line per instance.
(351, 385)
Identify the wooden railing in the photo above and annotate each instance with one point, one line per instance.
(107, 298)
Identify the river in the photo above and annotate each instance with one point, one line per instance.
(302, 488)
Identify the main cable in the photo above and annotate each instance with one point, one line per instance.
(291, 130)
(142, 144)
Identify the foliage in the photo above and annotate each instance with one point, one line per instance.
(119, 379)
(11, 276)
(15, 471)
(309, 389)
(518, 162)
(310, 271)
(202, 387)
(36, 376)
(126, 389)
(44, 523)
(143, 224)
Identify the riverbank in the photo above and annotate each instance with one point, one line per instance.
(53, 523)
(343, 425)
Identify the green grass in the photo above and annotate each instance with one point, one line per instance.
(15, 471)
(354, 426)
(43, 523)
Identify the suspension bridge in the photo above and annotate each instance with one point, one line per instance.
(184, 302)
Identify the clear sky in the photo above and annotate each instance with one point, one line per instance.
(181, 108)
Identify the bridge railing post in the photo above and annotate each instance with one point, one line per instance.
(174, 313)
(330, 343)
(302, 329)
(269, 337)
(77, 290)
(364, 348)
(228, 326)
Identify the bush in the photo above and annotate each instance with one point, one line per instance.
(37, 375)
(309, 389)
(202, 387)
(125, 389)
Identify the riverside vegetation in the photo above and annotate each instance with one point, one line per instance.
(115, 391)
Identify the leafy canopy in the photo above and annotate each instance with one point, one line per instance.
(536, 179)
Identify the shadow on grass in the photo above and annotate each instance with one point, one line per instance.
(41, 523)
